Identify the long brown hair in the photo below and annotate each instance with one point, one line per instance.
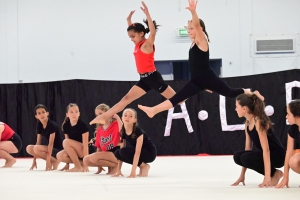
(67, 110)
(256, 107)
(135, 125)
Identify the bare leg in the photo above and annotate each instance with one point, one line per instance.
(62, 156)
(87, 161)
(294, 163)
(134, 93)
(106, 159)
(74, 150)
(152, 111)
(140, 172)
(41, 152)
(9, 160)
(30, 150)
(276, 177)
(7, 147)
(168, 93)
(144, 169)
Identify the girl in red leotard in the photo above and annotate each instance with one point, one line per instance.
(144, 58)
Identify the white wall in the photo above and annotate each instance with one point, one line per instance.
(48, 40)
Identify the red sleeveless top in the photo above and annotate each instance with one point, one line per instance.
(144, 62)
(109, 138)
(7, 132)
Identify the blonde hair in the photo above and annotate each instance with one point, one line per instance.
(104, 108)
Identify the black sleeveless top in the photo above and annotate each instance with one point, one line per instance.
(274, 143)
(198, 61)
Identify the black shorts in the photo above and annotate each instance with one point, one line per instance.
(152, 80)
(16, 140)
(92, 149)
(54, 152)
(114, 149)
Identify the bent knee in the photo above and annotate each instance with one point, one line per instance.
(36, 149)
(60, 155)
(67, 142)
(92, 158)
(29, 149)
(87, 159)
(294, 163)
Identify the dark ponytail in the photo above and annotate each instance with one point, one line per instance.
(138, 27)
(147, 30)
(256, 107)
(203, 28)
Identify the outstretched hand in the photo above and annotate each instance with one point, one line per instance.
(130, 15)
(145, 8)
(192, 5)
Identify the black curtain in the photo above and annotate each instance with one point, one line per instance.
(17, 102)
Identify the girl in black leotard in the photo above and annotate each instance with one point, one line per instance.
(75, 143)
(202, 76)
(292, 157)
(48, 141)
(270, 153)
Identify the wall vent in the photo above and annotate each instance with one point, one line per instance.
(275, 45)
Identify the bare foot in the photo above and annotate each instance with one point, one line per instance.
(145, 169)
(55, 165)
(276, 177)
(112, 170)
(10, 163)
(76, 169)
(140, 173)
(148, 110)
(66, 167)
(100, 169)
(100, 119)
